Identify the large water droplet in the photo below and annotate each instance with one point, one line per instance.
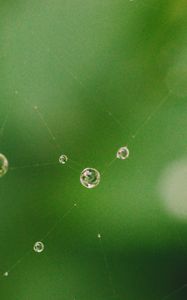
(3, 165)
(90, 178)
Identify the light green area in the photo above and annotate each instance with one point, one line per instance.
(96, 70)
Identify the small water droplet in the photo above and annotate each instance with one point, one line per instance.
(99, 236)
(63, 159)
(3, 165)
(90, 178)
(123, 153)
(5, 274)
(38, 247)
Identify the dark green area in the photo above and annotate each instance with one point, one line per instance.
(96, 70)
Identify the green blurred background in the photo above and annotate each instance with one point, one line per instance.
(96, 70)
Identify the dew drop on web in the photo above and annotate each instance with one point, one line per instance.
(63, 159)
(123, 153)
(38, 247)
(3, 165)
(90, 178)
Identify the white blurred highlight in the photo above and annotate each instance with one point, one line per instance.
(176, 79)
(173, 188)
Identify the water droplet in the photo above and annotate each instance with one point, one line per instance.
(123, 153)
(63, 159)
(38, 247)
(3, 165)
(90, 178)
(99, 236)
(5, 274)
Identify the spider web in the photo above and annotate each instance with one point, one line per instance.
(76, 207)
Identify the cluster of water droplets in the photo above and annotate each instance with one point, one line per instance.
(89, 178)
